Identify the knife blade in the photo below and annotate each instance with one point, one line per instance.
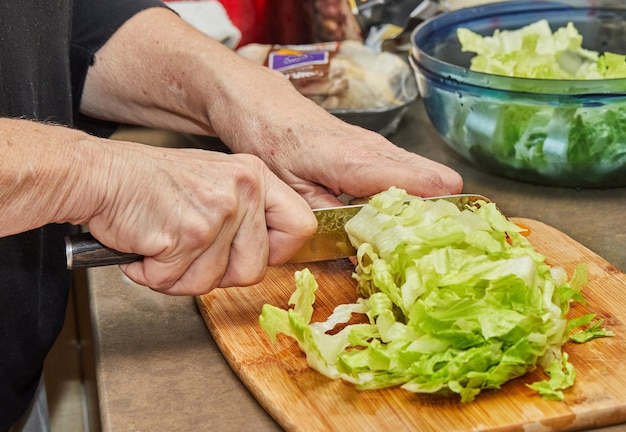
(329, 242)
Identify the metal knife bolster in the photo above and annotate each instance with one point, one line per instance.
(331, 241)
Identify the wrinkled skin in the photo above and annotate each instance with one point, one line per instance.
(202, 219)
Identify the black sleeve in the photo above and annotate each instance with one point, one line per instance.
(93, 23)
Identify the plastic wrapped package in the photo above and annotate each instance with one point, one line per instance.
(347, 78)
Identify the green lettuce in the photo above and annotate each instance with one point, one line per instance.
(455, 301)
(534, 51)
(568, 141)
(554, 142)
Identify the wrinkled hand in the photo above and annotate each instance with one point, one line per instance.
(201, 219)
(193, 84)
(317, 154)
(205, 219)
(359, 163)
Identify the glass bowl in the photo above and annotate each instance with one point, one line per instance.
(569, 133)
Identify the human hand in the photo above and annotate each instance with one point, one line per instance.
(201, 219)
(253, 110)
(322, 157)
(313, 151)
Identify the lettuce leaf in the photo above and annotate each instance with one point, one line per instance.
(542, 139)
(534, 51)
(455, 301)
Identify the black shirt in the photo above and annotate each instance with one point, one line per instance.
(46, 47)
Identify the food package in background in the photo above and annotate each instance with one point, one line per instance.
(345, 75)
(332, 20)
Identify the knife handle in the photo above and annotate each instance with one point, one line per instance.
(83, 250)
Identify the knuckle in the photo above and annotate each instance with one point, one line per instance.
(247, 177)
(243, 277)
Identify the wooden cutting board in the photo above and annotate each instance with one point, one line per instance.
(300, 399)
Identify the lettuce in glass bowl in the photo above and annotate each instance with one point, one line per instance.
(564, 122)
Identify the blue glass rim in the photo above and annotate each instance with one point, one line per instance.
(447, 23)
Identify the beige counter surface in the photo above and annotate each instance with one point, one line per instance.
(158, 368)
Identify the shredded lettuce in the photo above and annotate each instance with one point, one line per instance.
(534, 51)
(568, 141)
(594, 330)
(455, 301)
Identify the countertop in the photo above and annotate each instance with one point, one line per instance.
(157, 367)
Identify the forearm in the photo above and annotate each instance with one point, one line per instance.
(225, 216)
(155, 71)
(40, 181)
(158, 71)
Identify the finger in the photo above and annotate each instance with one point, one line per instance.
(319, 197)
(195, 256)
(248, 250)
(368, 173)
(280, 227)
(289, 219)
(187, 274)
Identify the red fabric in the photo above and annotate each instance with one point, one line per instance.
(269, 21)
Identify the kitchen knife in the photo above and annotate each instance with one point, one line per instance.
(329, 242)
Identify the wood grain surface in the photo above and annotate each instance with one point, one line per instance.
(300, 399)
